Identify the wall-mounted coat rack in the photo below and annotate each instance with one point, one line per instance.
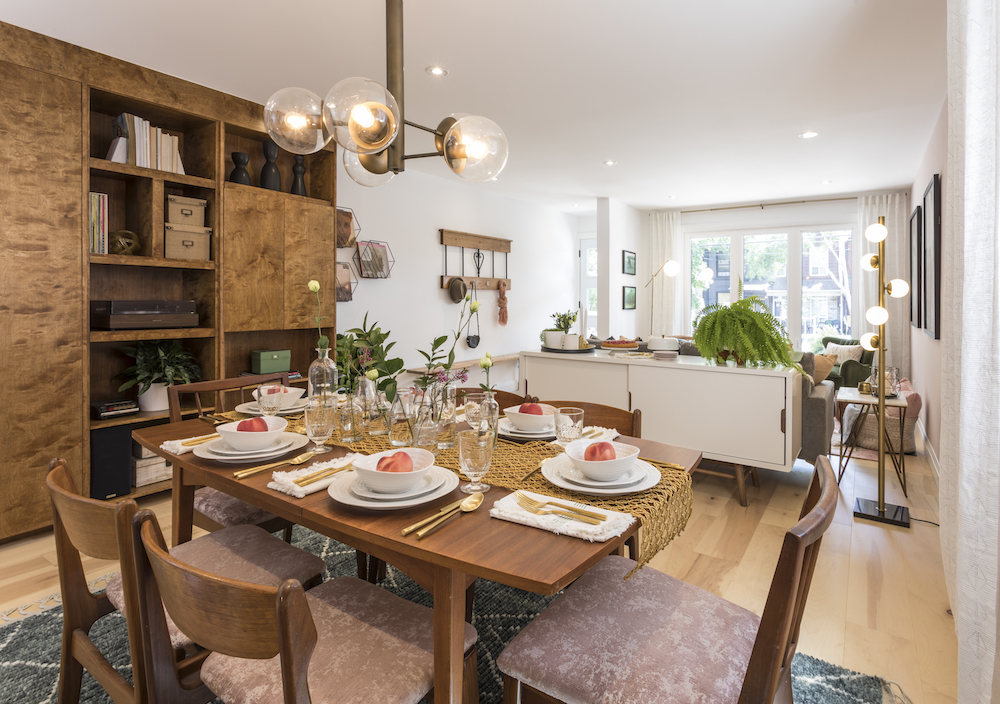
(480, 243)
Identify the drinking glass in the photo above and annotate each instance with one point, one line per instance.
(269, 398)
(569, 424)
(475, 454)
(473, 409)
(321, 419)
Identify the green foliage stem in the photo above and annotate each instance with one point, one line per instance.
(158, 362)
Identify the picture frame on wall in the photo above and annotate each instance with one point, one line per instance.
(628, 297)
(628, 262)
(931, 267)
(345, 283)
(916, 265)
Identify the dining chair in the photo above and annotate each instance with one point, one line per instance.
(102, 530)
(625, 422)
(345, 641)
(655, 638)
(505, 399)
(214, 509)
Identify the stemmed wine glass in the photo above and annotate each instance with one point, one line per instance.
(475, 454)
(269, 398)
(321, 419)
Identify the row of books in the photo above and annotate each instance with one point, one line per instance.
(141, 144)
(98, 225)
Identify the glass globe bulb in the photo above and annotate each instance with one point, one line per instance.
(868, 262)
(672, 268)
(869, 341)
(293, 118)
(362, 176)
(361, 115)
(877, 315)
(475, 148)
(876, 232)
(898, 288)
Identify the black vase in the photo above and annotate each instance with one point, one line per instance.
(270, 177)
(240, 173)
(298, 180)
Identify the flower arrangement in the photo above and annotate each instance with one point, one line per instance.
(438, 363)
(373, 357)
(322, 341)
(486, 363)
(564, 321)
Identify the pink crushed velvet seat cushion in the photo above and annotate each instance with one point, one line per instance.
(227, 510)
(652, 638)
(245, 552)
(372, 646)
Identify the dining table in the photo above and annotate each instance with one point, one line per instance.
(447, 561)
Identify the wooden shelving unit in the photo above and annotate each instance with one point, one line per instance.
(156, 262)
(143, 172)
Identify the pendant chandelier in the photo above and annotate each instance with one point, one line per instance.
(366, 119)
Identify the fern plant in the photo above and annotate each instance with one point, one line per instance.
(745, 329)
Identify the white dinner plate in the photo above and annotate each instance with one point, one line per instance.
(507, 428)
(428, 483)
(571, 473)
(340, 491)
(297, 441)
(553, 471)
(222, 448)
(251, 408)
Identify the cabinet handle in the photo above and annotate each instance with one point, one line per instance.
(187, 211)
(782, 420)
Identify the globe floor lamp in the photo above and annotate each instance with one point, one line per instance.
(671, 269)
(878, 315)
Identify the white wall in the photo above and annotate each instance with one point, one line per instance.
(619, 227)
(407, 213)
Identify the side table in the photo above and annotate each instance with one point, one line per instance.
(869, 403)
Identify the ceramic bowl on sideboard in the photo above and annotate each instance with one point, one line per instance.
(530, 422)
(249, 440)
(604, 470)
(289, 397)
(393, 482)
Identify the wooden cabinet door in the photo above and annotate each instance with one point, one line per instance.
(41, 289)
(310, 253)
(253, 259)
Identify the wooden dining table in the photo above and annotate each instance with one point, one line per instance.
(445, 563)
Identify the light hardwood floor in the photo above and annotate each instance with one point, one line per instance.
(878, 602)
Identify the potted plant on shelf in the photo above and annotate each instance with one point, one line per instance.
(158, 364)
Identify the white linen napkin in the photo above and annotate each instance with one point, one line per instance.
(285, 481)
(507, 509)
(606, 435)
(177, 447)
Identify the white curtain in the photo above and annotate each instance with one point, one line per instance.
(894, 207)
(666, 243)
(970, 346)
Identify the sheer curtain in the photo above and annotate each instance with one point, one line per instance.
(666, 243)
(970, 346)
(897, 252)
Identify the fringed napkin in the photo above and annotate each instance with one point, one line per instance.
(285, 481)
(507, 509)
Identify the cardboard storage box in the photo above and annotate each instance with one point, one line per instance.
(187, 242)
(150, 471)
(267, 361)
(186, 211)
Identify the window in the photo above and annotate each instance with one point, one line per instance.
(588, 285)
(709, 273)
(826, 287)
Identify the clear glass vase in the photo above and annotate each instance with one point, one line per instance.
(489, 412)
(401, 419)
(350, 423)
(425, 430)
(446, 415)
(378, 415)
(323, 375)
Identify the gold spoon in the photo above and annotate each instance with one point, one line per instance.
(244, 473)
(470, 504)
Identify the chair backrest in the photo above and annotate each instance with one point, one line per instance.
(506, 399)
(771, 660)
(225, 615)
(217, 387)
(625, 422)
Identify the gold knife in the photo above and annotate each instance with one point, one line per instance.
(444, 510)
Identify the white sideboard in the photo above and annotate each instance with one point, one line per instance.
(745, 416)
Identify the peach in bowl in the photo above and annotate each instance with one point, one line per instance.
(394, 471)
(253, 433)
(602, 461)
(290, 396)
(531, 417)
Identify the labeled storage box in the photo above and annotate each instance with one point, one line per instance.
(187, 242)
(267, 361)
(186, 211)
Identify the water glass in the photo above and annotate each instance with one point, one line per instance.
(269, 398)
(475, 454)
(569, 424)
(321, 420)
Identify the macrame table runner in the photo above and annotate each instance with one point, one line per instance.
(663, 509)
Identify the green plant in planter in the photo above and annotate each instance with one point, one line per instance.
(158, 362)
(745, 329)
(564, 321)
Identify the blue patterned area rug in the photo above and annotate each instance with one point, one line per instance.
(29, 648)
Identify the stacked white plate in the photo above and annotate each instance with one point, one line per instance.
(251, 408)
(348, 489)
(561, 472)
(505, 427)
(665, 354)
(220, 451)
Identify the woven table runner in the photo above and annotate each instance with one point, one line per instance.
(663, 509)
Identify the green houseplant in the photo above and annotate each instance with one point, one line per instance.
(158, 364)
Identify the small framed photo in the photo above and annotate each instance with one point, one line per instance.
(628, 262)
(628, 297)
(916, 268)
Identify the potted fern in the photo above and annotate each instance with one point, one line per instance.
(158, 364)
(745, 331)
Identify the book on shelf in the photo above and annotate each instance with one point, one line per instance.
(98, 224)
(148, 146)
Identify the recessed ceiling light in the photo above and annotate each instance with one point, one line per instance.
(437, 70)
(610, 162)
(809, 135)
(826, 183)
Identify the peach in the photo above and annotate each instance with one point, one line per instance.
(399, 462)
(531, 409)
(599, 452)
(253, 425)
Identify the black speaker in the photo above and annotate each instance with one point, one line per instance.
(110, 462)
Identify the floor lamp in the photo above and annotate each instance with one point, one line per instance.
(671, 269)
(877, 315)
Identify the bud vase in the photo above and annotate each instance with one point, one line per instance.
(401, 419)
(489, 411)
(323, 374)
(446, 416)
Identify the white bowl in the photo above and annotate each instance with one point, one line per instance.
(605, 470)
(529, 422)
(249, 440)
(289, 398)
(394, 482)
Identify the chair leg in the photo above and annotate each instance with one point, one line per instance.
(375, 567)
(70, 672)
(741, 486)
(362, 559)
(511, 689)
(470, 598)
(288, 534)
(754, 477)
(470, 678)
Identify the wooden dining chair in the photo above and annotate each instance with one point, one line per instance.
(625, 422)
(654, 638)
(214, 509)
(345, 641)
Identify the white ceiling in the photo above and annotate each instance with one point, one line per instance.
(699, 102)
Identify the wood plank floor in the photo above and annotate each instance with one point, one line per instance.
(878, 603)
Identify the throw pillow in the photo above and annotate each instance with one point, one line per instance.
(844, 352)
(824, 365)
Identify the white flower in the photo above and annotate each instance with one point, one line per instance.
(314, 286)
(474, 306)
(485, 362)
(371, 374)
(489, 356)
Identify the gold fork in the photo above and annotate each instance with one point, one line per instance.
(531, 508)
(525, 499)
(244, 473)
